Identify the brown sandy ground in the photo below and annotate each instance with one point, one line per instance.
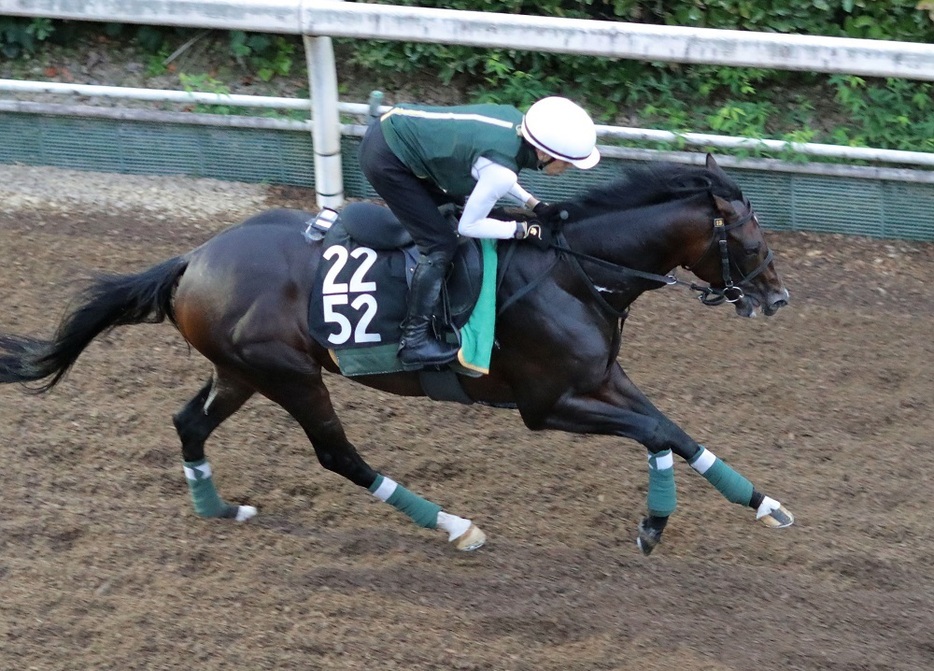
(827, 406)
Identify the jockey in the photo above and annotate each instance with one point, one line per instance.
(419, 157)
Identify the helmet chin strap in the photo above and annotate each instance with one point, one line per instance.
(544, 163)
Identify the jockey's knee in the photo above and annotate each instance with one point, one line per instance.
(439, 250)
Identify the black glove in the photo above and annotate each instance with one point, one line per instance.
(535, 232)
(549, 213)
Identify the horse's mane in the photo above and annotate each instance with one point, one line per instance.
(652, 184)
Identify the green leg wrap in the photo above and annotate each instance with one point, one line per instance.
(662, 497)
(423, 513)
(206, 499)
(728, 482)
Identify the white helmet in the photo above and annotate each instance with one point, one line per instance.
(562, 129)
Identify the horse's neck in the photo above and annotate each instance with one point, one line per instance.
(650, 239)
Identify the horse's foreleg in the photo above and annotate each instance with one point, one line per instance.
(619, 408)
(461, 532)
(217, 400)
(597, 413)
(309, 403)
(736, 488)
(670, 438)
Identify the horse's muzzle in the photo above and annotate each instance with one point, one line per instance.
(774, 301)
(770, 304)
(774, 307)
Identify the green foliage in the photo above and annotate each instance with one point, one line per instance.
(267, 55)
(798, 107)
(207, 84)
(725, 100)
(156, 62)
(152, 39)
(895, 114)
(19, 37)
(893, 19)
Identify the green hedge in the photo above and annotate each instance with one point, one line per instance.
(750, 102)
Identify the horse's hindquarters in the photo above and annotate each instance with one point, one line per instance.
(247, 286)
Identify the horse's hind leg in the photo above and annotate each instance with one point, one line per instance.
(218, 399)
(308, 401)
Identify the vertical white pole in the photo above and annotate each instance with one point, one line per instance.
(325, 121)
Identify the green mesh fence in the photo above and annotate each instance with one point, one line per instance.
(134, 147)
(785, 201)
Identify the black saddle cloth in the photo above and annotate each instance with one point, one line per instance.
(359, 295)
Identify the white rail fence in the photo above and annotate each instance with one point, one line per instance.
(319, 20)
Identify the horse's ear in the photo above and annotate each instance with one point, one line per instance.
(713, 166)
(724, 206)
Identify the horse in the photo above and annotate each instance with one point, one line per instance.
(241, 299)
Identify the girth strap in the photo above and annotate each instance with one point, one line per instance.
(443, 385)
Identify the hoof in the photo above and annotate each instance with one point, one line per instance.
(774, 515)
(778, 518)
(245, 513)
(471, 539)
(648, 538)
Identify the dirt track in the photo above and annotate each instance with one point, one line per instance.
(827, 406)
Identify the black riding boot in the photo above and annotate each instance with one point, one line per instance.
(419, 346)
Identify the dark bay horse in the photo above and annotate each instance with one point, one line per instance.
(241, 299)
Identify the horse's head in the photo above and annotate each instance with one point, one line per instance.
(735, 259)
(663, 215)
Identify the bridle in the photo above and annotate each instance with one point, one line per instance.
(731, 292)
(708, 295)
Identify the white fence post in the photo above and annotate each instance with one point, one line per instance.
(326, 127)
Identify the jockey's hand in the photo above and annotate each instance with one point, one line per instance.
(535, 232)
(549, 213)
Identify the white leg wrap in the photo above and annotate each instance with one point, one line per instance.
(704, 461)
(454, 525)
(767, 507)
(202, 472)
(245, 513)
(386, 489)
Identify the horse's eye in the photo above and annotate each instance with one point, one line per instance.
(752, 250)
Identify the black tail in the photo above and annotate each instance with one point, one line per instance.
(110, 301)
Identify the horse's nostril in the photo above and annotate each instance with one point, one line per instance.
(779, 304)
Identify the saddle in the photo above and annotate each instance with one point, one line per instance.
(359, 296)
